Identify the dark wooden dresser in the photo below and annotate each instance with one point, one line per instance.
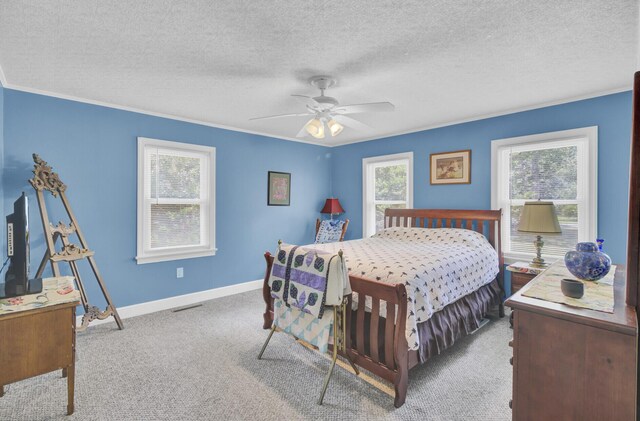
(573, 364)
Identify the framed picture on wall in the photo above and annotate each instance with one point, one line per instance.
(279, 189)
(451, 167)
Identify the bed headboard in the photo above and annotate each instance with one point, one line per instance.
(486, 222)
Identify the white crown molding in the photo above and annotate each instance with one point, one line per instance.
(151, 113)
(179, 301)
(8, 85)
(492, 115)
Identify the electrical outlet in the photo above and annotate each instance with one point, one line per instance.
(180, 273)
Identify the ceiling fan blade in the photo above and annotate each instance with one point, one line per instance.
(279, 116)
(351, 123)
(307, 100)
(372, 107)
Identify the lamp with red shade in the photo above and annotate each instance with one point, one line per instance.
(332, 206)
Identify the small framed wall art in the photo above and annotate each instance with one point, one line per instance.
(279, 189)
(451, 167)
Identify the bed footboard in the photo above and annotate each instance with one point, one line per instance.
(376, 343)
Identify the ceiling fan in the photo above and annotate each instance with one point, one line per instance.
(327, 111)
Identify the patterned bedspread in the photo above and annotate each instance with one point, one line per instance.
(437, 265)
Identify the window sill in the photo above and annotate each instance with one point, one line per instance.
(155, 258)
(510, 258)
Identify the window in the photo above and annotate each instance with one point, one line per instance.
(560, 167)
(387, 183)
(176, 200)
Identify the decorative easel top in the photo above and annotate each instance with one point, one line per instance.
(44, 178)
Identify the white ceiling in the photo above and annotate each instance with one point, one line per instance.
(218, 62)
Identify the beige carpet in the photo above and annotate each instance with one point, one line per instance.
(200, 364)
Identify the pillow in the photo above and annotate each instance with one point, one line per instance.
(329, 231)
(434, 235)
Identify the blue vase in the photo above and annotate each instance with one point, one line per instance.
(587, 262)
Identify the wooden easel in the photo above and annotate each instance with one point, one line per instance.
(45, 179)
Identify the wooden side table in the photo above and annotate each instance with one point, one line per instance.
(39, 340)
(521, 274)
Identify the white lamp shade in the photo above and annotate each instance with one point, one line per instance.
(334, 127)
(539, 217)
(315, 128)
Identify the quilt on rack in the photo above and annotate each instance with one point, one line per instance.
(303, 325)
(302, 281)
(438, 266)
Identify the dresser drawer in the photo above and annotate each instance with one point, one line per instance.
(35, 343)
(518, 280)
(557, 381)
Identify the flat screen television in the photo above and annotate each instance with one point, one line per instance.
(16, 280)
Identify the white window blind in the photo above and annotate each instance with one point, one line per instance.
(387, 183)
(560, 167)
(176, 200)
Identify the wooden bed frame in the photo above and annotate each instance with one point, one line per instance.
(380, 343)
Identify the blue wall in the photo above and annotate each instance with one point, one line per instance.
(611, 113)
(93, 149)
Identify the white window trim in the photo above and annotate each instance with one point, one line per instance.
(366, 187)
(590, 136)
(143, 254)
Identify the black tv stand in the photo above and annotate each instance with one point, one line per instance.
(34, 286)
(13, 289)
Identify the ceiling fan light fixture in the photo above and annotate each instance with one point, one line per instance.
(315, 128)
(326, 113)
(335, 128)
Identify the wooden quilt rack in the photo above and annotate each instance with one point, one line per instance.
(339, 339)
(45, 179)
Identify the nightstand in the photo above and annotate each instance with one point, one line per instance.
(521, 274)
(38, 334)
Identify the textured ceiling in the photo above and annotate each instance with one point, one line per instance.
(222, 63)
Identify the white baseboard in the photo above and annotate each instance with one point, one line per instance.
(178, 301)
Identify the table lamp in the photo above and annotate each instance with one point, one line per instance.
(539, 218)
(332, 206)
